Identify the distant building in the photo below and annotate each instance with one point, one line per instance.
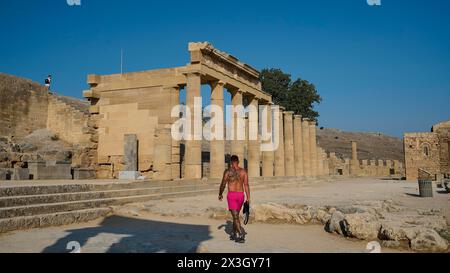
(428, 151)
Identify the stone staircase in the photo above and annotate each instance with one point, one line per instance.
(25, 207)
(77, 105)
(68, 118)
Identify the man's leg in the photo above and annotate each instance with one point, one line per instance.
(237, 225)
(233, 231)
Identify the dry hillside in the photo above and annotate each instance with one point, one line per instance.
(370, 145)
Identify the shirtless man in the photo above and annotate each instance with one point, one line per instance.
(237, 180)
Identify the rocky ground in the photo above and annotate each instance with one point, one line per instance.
(339, 216)
(39, 145)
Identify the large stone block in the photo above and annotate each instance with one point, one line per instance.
(83, 174)
(129, 175)
(131, 152)
(40, 170)
(5, 174)
(21, 174)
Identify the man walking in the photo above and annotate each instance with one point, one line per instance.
(237, 180)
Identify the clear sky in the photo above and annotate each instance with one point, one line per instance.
(378, 68)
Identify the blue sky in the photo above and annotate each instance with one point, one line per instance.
(379, 69)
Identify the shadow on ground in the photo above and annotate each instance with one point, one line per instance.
(228, 228)
(117, 234)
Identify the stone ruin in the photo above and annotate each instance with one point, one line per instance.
(428, 151)
(365, 168)
(42, 135)
(139, 105)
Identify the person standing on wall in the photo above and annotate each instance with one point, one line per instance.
(48, 82)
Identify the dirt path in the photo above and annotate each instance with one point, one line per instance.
(152, 233)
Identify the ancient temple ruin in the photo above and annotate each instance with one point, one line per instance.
(136, 111)
(141, 103)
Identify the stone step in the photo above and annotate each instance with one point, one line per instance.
(64, 213)
(53, 219)
(6, 191)
(74, 188)
(79, 105)
(45, 208)
(13, 201)
(21, 211)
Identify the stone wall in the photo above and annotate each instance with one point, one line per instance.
(67, 121)
(428, 151)
(137, 111)
(23, 107)
(443, 132)
(365, 168)
(38, 125)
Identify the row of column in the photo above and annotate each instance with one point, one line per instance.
(297, 153)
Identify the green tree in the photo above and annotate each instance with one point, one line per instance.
(298, 96)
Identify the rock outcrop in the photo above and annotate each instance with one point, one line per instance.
(386, 221)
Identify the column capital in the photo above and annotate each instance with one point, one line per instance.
(298, 117)
(218, 82)
(312, 122)
(236, 91)
(305, 120)
(289, 113)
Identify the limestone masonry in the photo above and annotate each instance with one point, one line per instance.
(140, 103)
(429, 152)
(125, 130)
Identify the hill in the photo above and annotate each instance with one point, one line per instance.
(370, 145)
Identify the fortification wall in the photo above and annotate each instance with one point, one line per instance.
(365, 168)
(23, 107)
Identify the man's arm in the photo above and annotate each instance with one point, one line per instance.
(247, 187)
(223, 185)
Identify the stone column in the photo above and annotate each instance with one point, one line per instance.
(313, 147)
(354, 163)
(289, 149)
(254, 147)
(176, 149)
(268, 156)
(130, 158)
(298, 149)
(320, 161)
(279, 161)
(193, 148)
(238, 129)
(306, 148)
(326, 165)
(162, 165)
(217, 162)
(354, 150)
